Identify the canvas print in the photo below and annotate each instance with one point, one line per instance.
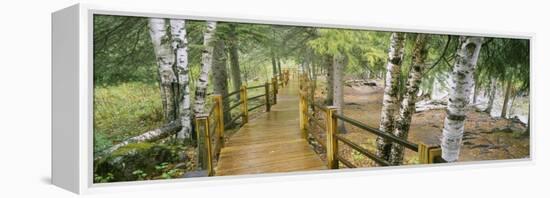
(177, 98)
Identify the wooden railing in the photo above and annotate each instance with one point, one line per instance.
(426, 154)
(210, 126)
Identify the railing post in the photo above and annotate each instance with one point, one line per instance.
(205, 143)
(244, 104)
(219, 116)
(267, 103)
(427, 155)
(332, 143)
(274, 82)
(304, 113)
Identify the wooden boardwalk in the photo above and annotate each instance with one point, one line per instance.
(271, 142)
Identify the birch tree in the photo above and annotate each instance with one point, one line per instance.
(420, 52)
(181, 68)
(390, 101)
(165, 60)
(206, 65)
(462, 80)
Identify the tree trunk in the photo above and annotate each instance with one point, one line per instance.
(420, 52)
(181, 68)
(330, 80)
(148, 136)
(165, 60)
(274, 64)
(219, 74)
(476, 92)
(491, 96)
(506, 99)
(389, 101)
(511, 111)
(234, 59)
(338, 66)
(459, 96)
(279, 65)
(206, 65)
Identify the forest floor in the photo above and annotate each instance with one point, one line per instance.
(485, 138)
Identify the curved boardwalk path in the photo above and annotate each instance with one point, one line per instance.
(271, 142)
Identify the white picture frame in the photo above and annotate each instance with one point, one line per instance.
(72, 102)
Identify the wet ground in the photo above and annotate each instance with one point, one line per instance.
(483, 139)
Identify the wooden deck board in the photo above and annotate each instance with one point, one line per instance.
(271, 142)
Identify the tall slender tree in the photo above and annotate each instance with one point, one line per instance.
(233, 45)
(403, 123)
(181, 68)
(492, 94)
(165, 60)
(219, 73)
(507, 94)
(206, 65)
(337, 81)
(462, 80)
(330, 79)
(389, 101)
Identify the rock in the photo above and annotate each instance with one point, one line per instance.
(371, 84)
(505, 129)
(137, 156)
(481, 146)
(182, 165)
(202, 173)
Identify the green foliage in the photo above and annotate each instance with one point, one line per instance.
(139, 174)
(364, 50)
(103, 179)
(122, 50)
(125, 110)
(101, 142)
(142, 161)
(504, 60)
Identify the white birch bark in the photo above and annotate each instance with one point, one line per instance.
(402, 125)
(206, 65)
(389, 100)
(165, 60)
(180, 47)
(462, 81)
(148, 136)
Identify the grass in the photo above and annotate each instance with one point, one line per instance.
(124, 111)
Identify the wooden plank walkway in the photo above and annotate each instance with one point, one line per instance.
(271, 142)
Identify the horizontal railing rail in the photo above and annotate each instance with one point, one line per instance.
(333, 138)
(210, 127)
(388, 136)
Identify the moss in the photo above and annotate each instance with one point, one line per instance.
(141, 157)
(132, 148)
